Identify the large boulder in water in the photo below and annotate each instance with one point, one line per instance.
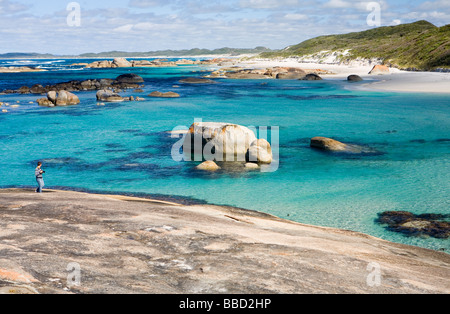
(66, 99)
(260, 152)
(311, 77)
(224, 140)
(121, 63)
(108, 96)
(354, 78)
(61, 98)
(130, 79)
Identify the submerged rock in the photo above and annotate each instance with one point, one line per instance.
(331, 145)
(196, 80)
(164, 95)
(328, 144)
(432, 225)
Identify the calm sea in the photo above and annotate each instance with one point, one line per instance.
(124, 148)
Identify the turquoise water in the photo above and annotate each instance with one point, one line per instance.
(123, 148)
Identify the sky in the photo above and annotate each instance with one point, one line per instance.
(47, 26)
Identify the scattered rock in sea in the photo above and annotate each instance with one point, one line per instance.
(331, 145)
(121, 63)
(311, 77)
(328, 144)
(409, 224)
(164, 95)
(379, 70)
(126, 81)
(196, 80)
(20, 69)
(291, 74)
(354, 78)
(208, 166)
(61, 98)
(243, 75)
(108, 96)
(130, 78)
(260, 152)
(251, 165)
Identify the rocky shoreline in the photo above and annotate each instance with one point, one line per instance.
(131, 245)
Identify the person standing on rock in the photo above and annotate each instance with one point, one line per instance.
(39, 177)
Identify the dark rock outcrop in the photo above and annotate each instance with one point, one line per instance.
(125, 81)
(311, 77)
(130, 78)
(354, 78)
(409, 224)
(196, 80)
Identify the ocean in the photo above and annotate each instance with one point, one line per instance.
(124, 147)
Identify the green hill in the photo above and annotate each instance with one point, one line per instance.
(419, 45)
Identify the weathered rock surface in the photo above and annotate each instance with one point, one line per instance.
(208, 166)
(20, 69)
(260, 152)
(61, 98)
(121, 63)
(108, 96)
(379, 70)
(129, 245)
(164, 95)
(328, 144)
(331, 145)
(222, 139)
(130, 78)
(269, 73)
(311, 77)
(354, 78)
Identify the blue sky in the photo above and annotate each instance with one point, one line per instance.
(147, 25)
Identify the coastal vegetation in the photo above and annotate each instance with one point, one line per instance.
(420, 45)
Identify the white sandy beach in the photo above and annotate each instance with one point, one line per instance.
(396, 81)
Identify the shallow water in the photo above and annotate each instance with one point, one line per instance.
(123, 148)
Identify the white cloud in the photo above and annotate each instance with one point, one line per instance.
(268, 4)
(295, 16)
